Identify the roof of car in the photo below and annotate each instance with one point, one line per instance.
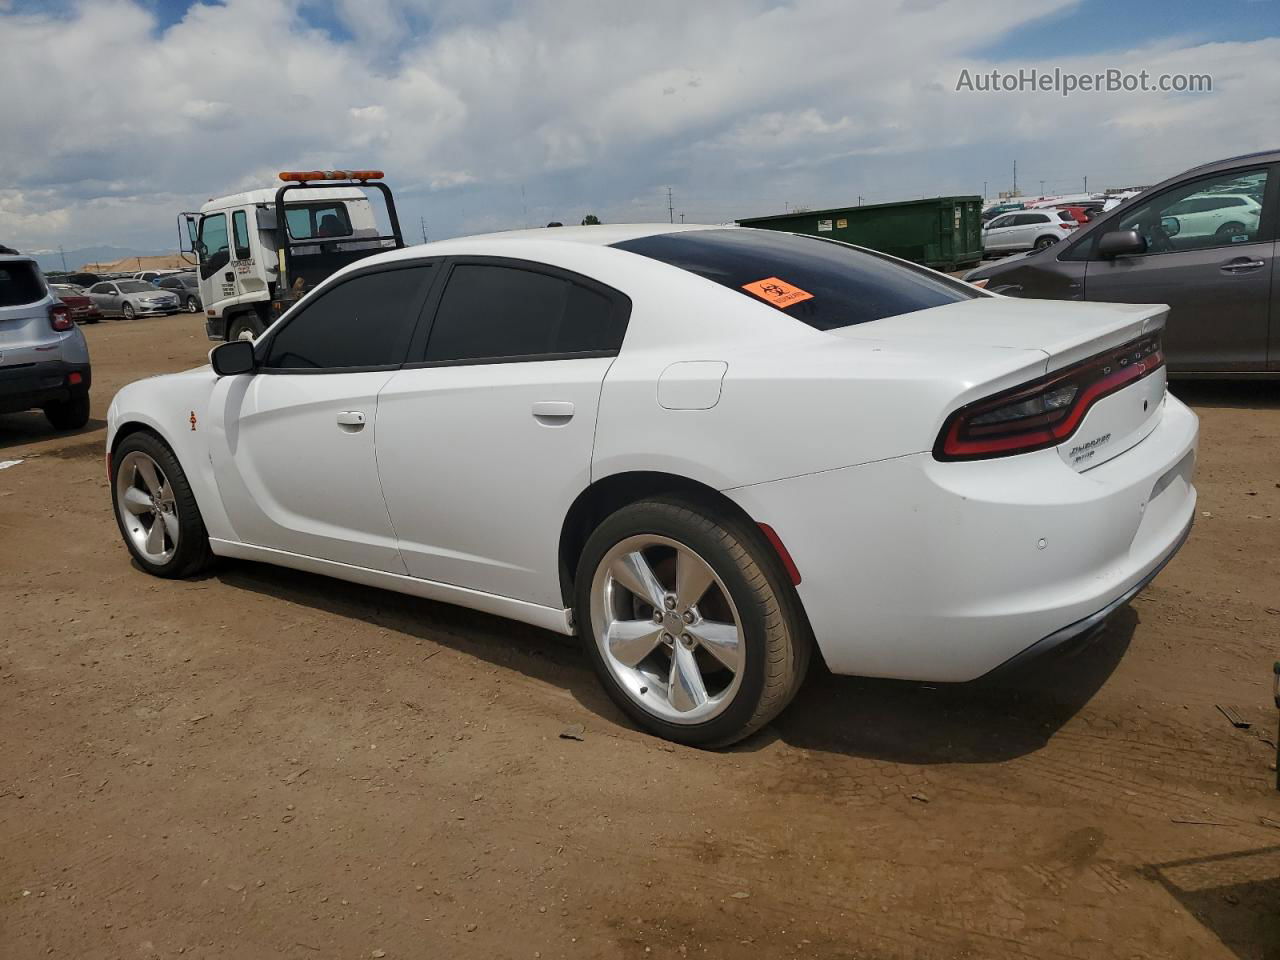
(603, 234)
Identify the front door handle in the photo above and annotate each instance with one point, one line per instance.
(553, 412)
(1240, 266)
(351, 420)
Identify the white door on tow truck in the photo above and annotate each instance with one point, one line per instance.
(294, 455)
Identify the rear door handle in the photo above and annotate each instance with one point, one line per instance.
(351, 420)
(552, 412)
(1239, 266)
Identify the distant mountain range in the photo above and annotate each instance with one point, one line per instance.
(51, 260)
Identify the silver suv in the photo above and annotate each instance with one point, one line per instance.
(44, 360)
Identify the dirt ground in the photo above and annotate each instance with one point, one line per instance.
(264, 763)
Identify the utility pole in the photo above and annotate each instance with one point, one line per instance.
(1015, 178)
(671, 210)
(984, 190)
(1086, 183)
(786, 206)
(524, 207)
(682, 218)
(859, 199)
(64, 258)
(1042, 188)
(423, 222)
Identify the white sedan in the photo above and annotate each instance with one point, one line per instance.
(705, 450)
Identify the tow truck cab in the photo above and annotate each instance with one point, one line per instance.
(260, 251)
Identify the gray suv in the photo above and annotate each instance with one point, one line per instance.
(1204, 242)
(44, 360)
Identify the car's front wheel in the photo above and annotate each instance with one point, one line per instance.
(689, 621)
(156, 510)
(1044, 243)
(127, 311)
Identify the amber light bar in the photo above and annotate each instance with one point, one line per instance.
(305, 176)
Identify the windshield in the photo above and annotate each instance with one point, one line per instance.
(823, 283)
(137, 286)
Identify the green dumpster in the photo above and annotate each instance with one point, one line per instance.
(941, 232)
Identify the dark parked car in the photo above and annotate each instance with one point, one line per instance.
(187, 288)
(1204, 242)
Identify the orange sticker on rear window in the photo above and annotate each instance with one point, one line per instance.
(776, 292)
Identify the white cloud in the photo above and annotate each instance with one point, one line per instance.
(741, 105)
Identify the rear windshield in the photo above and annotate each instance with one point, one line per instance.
(819, 282)
(19, 284)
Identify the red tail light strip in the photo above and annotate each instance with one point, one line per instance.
(1095, 378)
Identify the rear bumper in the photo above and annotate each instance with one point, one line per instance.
(29, 386)
(922, 570)
(1084, 628)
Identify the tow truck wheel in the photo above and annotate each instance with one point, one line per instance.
(247, 327)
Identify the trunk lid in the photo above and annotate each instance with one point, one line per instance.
(1066, 332)
(1120, 394)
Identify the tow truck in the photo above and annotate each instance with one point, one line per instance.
(260, 251)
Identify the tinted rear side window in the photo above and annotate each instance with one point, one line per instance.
(818, 282)
(362, 322)
(19, 284)
(491, 312)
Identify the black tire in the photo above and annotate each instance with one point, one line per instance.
(68, 414)
(192, 554)
(1044, 243)
(192, 305)
(245, 323)
(776, 633)
(127, 311)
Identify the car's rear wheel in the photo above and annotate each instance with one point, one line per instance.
(127, 311)
(1044, 242)
(1229, 230)
(192, 305)
(69, 414)
(689, 622)
(156, 510)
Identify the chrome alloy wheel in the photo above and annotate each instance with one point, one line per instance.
(145, 503)
(667, 629)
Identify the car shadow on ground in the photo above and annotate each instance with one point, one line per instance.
(905, 722)
(1242, 394)
(984, 721)
(20, 429)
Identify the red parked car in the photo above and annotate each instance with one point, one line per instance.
(83, 309)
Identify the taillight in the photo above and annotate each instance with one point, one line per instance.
(1044, 412)
(60, 317)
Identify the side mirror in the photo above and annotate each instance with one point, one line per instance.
(1121, 243)
(232, 358)
(1172, 226)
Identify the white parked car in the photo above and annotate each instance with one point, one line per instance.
(1222, 215)
(703, 449)
(1026, 230)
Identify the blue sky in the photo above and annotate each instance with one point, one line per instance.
(491, 114)
(1096, 26)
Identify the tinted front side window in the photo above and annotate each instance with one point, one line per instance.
(240, 225)
(362, 322)
(493, 312)
(818, 282)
